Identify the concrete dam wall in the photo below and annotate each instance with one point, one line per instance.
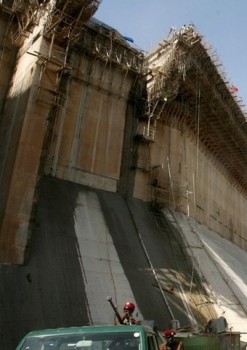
(89, 244)
(117, 176)
(93, 110)
(86, 247)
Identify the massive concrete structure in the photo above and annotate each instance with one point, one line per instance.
(81, 107)
(84, 106)
(38, 39)
(198, 159)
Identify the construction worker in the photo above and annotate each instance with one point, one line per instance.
(170, 343)
(128, 317)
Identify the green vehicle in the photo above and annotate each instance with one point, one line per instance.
(92, 338)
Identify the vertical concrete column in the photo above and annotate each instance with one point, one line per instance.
(26, 123)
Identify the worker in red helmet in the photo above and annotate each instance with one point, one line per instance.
(171, 343)
(128, 317)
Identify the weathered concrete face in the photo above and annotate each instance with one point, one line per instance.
(64, 116)
(186, 179)
(85, 247)
(187, 140)
(87, 138)
(23, 141)
(8, 57)
(71, 115)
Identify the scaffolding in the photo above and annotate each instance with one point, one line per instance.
(26, 15)
(105, 43)
(63, 26)
(68, 17)
(188, 90)
(65, 17)
(98, 42)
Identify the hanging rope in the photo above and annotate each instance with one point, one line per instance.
(198, 106)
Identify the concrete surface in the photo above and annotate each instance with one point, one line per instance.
(90, 244)
(222, 265)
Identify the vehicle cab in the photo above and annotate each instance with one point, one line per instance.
(92, 338)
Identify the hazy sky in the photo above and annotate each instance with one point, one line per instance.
(223, 23)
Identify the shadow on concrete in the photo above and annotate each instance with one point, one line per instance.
(49, 290)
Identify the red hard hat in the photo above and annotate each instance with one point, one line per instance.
(129, 306)
(169, 333)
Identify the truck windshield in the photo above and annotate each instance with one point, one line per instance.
(85, 341)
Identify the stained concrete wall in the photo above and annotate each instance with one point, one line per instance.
(8, 56)
(76, 122)
(85, 246)
(74, 116)
(189, 179)
(88, 244)
(222, 265)
(26, 128)
(7, 62)
(87, 138)
(64, 118)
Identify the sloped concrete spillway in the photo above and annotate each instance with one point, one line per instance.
(87, 245)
